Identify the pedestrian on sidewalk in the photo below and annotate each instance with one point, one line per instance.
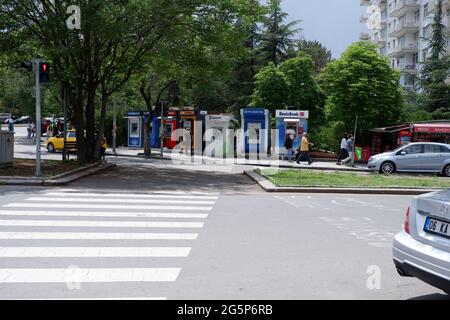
(29, 129)
(350, 149)
(33, 130)
(304, 149)
(289, 148)
(343, 153)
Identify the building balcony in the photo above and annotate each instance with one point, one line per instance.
(379, 3)
(380, 41)
(364, 3)
(403, 48)
(408, 68)
(364, 36)
(403, 6)
(403, 28)
(363, 18)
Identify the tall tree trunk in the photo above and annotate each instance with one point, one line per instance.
(78, 118)
(90, 123)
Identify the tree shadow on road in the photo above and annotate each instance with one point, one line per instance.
(140, 178)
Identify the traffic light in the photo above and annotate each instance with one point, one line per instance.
(27, 65)
(44, 72)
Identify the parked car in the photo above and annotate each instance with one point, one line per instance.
(23, 119)
(415, 157)
(57, 143)
(422, 249)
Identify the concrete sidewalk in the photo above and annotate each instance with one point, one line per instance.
(318, 164)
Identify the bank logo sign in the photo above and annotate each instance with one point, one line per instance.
(292, 114)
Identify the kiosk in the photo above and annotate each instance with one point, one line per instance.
(188, 122)
(169, 126)
(135, 123)
(293, 123)
(218, 127)
(255, 130)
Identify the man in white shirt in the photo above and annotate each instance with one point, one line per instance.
(343, 153)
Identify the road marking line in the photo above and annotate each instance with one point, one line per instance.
(102, 206)
(53, 200)
(95, 236)
(125, 195)
(94, 252)
(168, 192)
(88, 275)
(118, 224)
(74, 299)
(104, 214)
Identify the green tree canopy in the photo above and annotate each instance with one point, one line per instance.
(278, 37)
(319, 53)
(362, 83)
(271, 88)
(435, 71)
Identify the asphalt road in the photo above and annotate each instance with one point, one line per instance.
(142, 231)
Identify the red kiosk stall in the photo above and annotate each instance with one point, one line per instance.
(390, 138)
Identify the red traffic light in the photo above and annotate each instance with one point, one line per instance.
(44, 67)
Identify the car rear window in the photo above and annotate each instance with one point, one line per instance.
(433, 148)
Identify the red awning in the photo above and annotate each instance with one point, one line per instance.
(432, 128)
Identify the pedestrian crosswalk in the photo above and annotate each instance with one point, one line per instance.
(59, 238)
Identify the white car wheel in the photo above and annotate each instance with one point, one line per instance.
(387, 167)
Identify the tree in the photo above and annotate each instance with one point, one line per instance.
(271, 88)
(114, 38)
(303, 91)
(435, 71)
(319, 53)
(278, 38)
(362, 83)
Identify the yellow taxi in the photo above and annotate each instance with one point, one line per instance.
(57, 143)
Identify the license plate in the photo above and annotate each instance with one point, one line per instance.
(437, 227)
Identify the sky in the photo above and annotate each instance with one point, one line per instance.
(335, 23)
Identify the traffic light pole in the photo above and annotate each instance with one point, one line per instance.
(38, 118)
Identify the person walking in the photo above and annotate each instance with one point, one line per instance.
(10, 123)
(33, 130)
(29, 129)
(350, 149)
(103, 147)
(343, 153)
(289, 148)
(304, 150)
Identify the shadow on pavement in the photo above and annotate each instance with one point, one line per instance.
(147, 178)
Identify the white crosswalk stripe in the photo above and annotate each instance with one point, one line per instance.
(49, 232)
(102, 206)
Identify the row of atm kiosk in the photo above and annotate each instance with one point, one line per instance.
(202, 128)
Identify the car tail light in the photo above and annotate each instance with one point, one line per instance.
(406, 224)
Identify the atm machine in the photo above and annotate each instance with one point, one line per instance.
(170, 123)
(255, 123)
(217, 127)
(135, 123)
(188, 119)
(292, 123)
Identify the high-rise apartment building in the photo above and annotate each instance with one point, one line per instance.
(399, 28)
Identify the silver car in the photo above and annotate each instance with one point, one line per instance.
(422, 249)
(414, 157)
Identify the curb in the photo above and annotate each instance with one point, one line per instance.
(61, 179)
(268, 186)
(308, 168)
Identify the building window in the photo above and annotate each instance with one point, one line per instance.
(425, 10)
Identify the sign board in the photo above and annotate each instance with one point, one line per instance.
(292, 114)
